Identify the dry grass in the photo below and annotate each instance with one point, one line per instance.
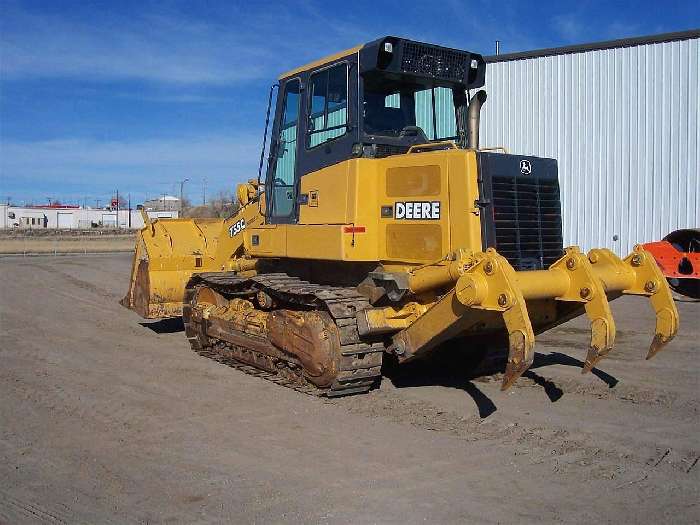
(101, 244)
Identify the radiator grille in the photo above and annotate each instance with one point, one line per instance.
(434, 61)
(527, 221)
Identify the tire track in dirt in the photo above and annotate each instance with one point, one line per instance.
(79, 283)
(661, 399)
(114, 414)
(607, 388)
(16, 510)
(556, 446)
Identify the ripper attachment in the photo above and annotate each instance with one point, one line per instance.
(485, 283)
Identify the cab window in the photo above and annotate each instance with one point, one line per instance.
(389, 111)
(435, 113)
(328, 105)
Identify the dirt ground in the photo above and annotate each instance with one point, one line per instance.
(105, 418)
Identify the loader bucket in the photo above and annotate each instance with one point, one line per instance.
(167, 253)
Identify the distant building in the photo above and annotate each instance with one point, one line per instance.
(73, 218)
(162, 203)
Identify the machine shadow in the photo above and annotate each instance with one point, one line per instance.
(443, 367)
(165, 326)
(557, 358)
(451, 367)
(415, 375)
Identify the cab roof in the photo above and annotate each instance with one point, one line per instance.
(399, 57)
(321, 61)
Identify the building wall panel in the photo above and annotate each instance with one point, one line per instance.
(52, 218)
(623, 124)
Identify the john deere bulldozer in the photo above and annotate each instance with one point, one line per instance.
(378, 226)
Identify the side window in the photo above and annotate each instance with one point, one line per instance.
(328, 108)
(435, 113)
(282, 185)
(393, 101)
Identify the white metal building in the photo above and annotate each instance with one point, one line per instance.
(73, 218)
(162, 203)
(622, 118)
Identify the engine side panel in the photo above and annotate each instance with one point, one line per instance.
(404, 209)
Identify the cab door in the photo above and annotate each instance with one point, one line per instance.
(280, 183)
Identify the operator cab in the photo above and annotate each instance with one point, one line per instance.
(374, 100)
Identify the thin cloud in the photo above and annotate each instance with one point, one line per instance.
(569, 26)
(148, 48)
(161, 46)
(175, 98)
(238, 43)
(622, 29)
(73, 165)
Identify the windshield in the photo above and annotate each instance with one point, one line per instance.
(388, 110)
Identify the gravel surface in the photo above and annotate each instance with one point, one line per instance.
(105, 418)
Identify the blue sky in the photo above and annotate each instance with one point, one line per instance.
(136, 95)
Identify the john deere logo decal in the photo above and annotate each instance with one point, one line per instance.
(525, 167)
(417, 210)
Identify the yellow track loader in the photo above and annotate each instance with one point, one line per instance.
(380, 227)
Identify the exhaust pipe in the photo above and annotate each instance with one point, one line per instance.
(473, 117)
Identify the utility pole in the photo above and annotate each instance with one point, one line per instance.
(97, 203)
(204, 192)
(117, 209)
(182, 184)
(498, 47)
(129, 210)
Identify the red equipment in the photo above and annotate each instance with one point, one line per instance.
(678, 257)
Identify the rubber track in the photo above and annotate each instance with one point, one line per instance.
(360, 365)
